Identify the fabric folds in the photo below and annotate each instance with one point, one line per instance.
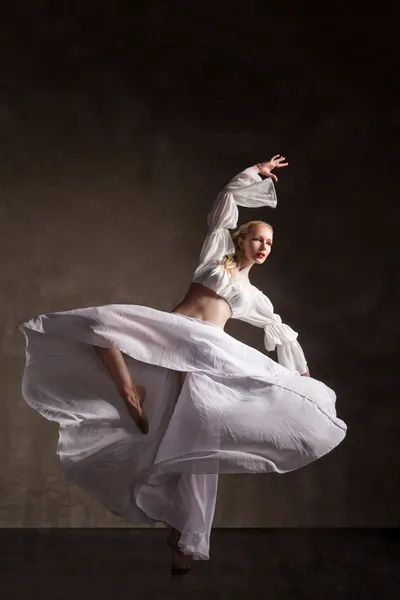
(238, 411)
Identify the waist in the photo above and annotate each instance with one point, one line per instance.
(204, 304)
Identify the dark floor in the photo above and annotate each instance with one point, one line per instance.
(276, 564)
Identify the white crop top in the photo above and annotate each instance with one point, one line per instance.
(246, 302)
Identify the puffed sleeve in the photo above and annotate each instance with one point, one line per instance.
(276, 334)
(245, 189)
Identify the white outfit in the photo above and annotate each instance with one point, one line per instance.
(247, 303)
(238, 410)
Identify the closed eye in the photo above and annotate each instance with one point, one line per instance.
(260, 240)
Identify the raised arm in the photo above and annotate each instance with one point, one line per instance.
(276, 334)
(245, 189)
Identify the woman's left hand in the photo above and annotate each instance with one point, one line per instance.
(265, 168)
(306, 374)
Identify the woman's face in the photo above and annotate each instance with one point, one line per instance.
(257, 244)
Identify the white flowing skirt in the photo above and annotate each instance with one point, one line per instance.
(237, 411)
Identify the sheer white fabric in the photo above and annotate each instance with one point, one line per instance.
(245, 189)
(277, 335)
(247, 303)
(238, 411)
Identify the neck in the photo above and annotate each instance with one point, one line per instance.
(244, 265)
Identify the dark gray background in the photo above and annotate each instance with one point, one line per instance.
(118, 128)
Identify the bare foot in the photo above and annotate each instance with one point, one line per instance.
(180, 561)
(134, 399)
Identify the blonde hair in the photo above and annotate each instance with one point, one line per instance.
(231, 261)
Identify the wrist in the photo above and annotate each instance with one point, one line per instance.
(264, 166)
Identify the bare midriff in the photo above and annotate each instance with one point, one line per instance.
(202, 303)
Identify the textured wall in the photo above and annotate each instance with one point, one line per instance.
(116, 135)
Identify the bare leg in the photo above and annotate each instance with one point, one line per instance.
(132, 394)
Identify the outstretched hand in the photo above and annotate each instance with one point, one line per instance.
(265, 168)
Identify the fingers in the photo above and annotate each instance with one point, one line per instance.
(277, 159)
(276, 162)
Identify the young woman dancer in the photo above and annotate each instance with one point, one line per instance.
(153, 405)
